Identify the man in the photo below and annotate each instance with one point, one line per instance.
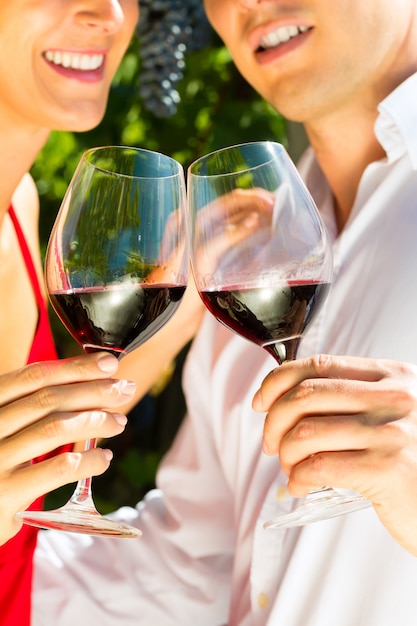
(346, 70)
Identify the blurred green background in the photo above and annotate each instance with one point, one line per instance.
(217, 108)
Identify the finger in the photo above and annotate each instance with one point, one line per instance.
(29, 379)
(371, 404)
(312, 436)
(229, 220)
(33, 481)
(96, 394)
(234, 233)
(222, 239)
(241, 208)
(291, 373)
(239, 201)
(359, 470)
(313, 398)
(57, 430)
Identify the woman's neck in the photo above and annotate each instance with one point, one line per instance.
(18, 151)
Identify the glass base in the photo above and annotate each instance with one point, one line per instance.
(75, 520)
(319, 506)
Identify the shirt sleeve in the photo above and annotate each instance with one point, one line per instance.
(179, 571)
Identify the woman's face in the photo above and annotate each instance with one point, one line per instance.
(59, 58)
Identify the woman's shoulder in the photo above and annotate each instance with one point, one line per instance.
(25, 199)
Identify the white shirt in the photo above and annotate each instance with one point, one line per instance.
(204, 558)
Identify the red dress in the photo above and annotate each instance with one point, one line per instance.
(16, 556)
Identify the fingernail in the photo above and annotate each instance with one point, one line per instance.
(120, 418)
(108, 454)
(125, 387)
(107, 363)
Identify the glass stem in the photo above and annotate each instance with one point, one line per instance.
(82, 496)
(283, 350)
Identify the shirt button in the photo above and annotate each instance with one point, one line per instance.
(281, 493)
(263, 601)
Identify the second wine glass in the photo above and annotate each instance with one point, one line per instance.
(262, 264)
(116, 268)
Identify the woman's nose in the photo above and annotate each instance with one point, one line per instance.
(104, 15)
(248, 4)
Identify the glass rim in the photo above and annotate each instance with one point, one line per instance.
(133, 149)
(225, 149)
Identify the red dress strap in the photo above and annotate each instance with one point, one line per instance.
(16, 556)
(43, 346)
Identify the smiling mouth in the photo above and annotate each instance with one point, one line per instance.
(281, 35)
(75, 60)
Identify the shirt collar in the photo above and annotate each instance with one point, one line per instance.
(396, 125)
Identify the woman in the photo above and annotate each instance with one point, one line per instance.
(61, 58)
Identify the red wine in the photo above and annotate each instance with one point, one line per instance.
(118, 318)
(273, 317)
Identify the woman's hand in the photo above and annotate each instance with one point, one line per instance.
(230, 221)
(350, 423)
(44, 406)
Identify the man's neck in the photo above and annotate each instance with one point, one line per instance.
(344, 139)
(344, 147)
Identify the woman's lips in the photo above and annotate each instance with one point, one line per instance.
(83, 66)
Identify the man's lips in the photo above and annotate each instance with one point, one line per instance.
(268, 36)
(280, 35)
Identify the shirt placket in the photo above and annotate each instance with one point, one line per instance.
(267, 551)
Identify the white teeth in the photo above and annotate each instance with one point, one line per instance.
(281, 35)
(75, 60)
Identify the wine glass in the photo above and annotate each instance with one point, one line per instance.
(262, 264)
(116, 269)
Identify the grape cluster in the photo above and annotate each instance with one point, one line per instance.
(167, 29)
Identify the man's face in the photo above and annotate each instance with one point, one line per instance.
(309, 58)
